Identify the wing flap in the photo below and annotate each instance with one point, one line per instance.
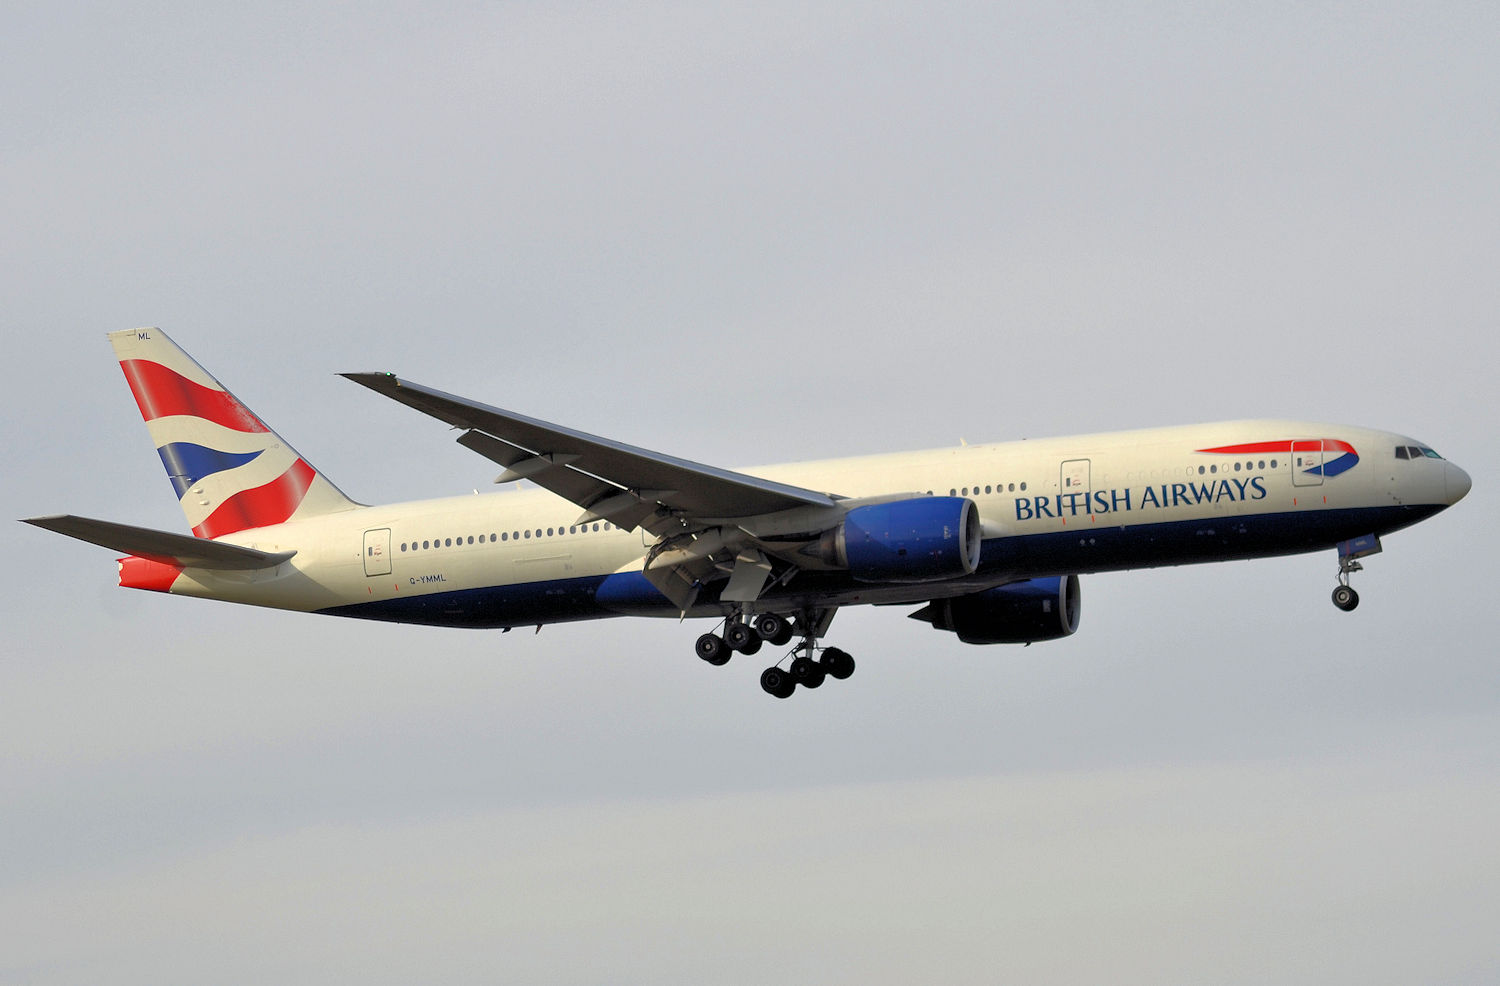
(162, 546)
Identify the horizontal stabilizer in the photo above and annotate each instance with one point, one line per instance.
(162, 546)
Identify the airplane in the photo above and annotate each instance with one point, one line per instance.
(987, 540)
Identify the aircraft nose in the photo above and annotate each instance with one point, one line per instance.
(1457, 482)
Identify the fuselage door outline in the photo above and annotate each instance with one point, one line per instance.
(378, 552)
(1074, 477)
(1307, 462)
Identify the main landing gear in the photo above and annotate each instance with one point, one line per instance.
(805, 669)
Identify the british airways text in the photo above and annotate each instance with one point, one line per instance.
(1165, 496)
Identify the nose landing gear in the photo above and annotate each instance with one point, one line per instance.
(1344, 596)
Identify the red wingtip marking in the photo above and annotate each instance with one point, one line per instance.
(161, 392)
(270, 504)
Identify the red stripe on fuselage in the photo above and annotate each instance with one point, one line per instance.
(161, 392)
(1285, 445)
(270, 504)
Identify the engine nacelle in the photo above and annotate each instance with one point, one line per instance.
(1018, 613)
(922, 539)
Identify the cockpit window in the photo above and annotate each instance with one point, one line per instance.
(1402, 452)
(1414, 452)
(1430, 454)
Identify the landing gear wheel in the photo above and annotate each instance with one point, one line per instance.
(807, 672)
(838, 663)
(777, 682)
(711, 648)
(1345, 598)
(741, 638)
(773, 629)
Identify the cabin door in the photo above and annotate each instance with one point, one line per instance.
(1307, 463)
(378, 552)
(1075, 478)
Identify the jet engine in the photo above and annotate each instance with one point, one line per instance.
(1017, 613)
(923, 539)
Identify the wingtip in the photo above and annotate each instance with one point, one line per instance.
(375, 381)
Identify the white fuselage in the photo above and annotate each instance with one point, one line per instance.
(1054, 506)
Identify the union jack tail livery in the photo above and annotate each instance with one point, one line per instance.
(229, 470)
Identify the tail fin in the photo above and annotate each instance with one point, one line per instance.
(230, 471)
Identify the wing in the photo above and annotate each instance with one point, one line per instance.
(162, 546)
(610, 480)
(699, 513)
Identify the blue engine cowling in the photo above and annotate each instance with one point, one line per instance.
(1018, 613)
(923, 539)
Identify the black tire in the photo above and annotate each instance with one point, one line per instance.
(804, 668)
(741, 638)
(838, 663)
(777, 682)
(773, 629)
(1345, 598)
(711, 648)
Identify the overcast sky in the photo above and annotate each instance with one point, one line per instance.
(740, 235)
